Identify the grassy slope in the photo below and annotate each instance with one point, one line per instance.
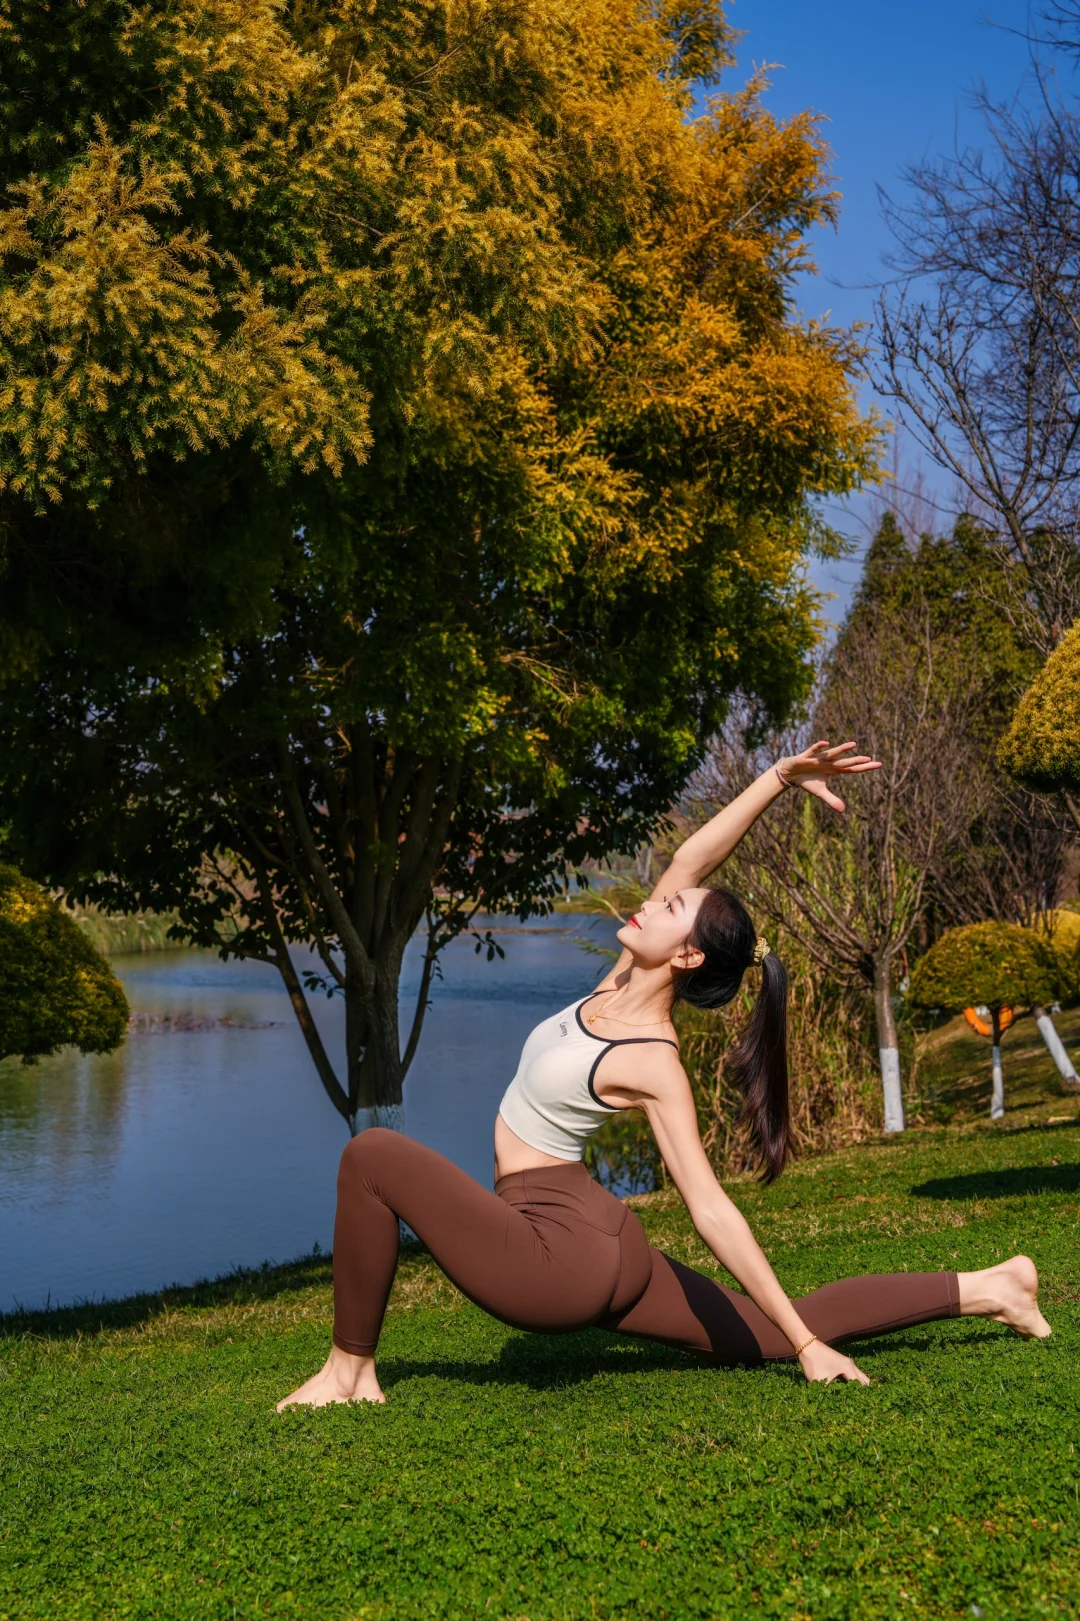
(144, 1472)
(953, 1070)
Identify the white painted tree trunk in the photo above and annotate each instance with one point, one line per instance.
(1055, 1046)
(889, 1058)
(390, 1115)
(997, 1096)
(888, 1048)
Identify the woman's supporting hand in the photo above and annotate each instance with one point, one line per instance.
(821, 1362)
(812, 768)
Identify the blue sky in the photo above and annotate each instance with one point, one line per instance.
(895, 84)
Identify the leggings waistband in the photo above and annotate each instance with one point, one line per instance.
(544, 1177)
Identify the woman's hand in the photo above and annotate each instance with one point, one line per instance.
(814, 765)
(821, 1362)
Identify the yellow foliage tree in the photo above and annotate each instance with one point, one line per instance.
(407, 442)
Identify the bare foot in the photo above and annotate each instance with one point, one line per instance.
(1007, 1293)
(342, 1378)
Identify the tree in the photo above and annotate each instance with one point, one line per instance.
(1063, 929)
(980, 340)
(924, 677)
(1007, 856)
(1041, 748)
(852, 890)
(1065, 939)
(56, 990)
(987, 964)
(486, 635)
(1008, 853)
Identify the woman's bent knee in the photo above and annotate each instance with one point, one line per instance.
(370, 1152)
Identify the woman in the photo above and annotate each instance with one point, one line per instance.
(549, 1249)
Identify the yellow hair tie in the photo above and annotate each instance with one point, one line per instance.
(761, 949)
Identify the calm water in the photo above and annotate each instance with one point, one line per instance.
(203, 1144)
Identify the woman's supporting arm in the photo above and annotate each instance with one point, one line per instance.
(652, 1078)
(718, 1222)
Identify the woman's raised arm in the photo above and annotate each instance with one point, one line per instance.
(709, 847)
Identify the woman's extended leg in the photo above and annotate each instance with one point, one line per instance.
(681, 1307)
(548, 1274)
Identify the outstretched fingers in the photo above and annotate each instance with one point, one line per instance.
(837, 757)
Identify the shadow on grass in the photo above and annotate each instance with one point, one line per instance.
(557, 1362)
(239, 1288)
(1009, 1182)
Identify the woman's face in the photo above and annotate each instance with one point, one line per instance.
(657, 933)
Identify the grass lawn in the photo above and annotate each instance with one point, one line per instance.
(145, 1473)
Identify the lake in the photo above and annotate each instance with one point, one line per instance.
(206, 1142)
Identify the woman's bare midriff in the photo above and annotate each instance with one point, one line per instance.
(512, 1155)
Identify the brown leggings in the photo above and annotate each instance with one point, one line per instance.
(551, 1251)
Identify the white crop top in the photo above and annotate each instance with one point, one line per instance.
(551, 1103)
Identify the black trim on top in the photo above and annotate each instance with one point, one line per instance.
(620, 1041)
(580, 1020)
(628, 1041)
(615, 1041)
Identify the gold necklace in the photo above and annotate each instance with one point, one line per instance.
(633, 1024)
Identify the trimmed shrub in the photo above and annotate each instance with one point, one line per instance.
(1066, 943)
(1041, 749)
(56, 990)
(996, 964)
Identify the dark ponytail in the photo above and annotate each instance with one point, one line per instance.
(758, 1064)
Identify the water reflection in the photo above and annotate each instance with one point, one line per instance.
(207, 1142)
(66, 1112)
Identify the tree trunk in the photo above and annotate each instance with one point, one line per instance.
(997, 1093)
(1055, 1046)
(376, 1072)
(888, 1045)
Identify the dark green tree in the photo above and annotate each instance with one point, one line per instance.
(56, 990)
(1009, 859)
(923, 674)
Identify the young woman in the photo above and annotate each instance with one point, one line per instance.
(549, 1249)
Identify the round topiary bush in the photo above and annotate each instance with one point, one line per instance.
(996, 964)
(56, 990)
(1066, 943)
(1041, 749)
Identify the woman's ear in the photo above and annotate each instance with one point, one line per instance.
(688, 957)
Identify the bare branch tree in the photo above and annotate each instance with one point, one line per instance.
(980, 342)
(851, 889)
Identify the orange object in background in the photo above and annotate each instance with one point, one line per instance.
(983, 1027)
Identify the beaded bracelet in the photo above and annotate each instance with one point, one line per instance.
(805, 1343)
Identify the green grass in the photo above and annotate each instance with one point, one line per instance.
(145, 1473)
(952, 1075)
